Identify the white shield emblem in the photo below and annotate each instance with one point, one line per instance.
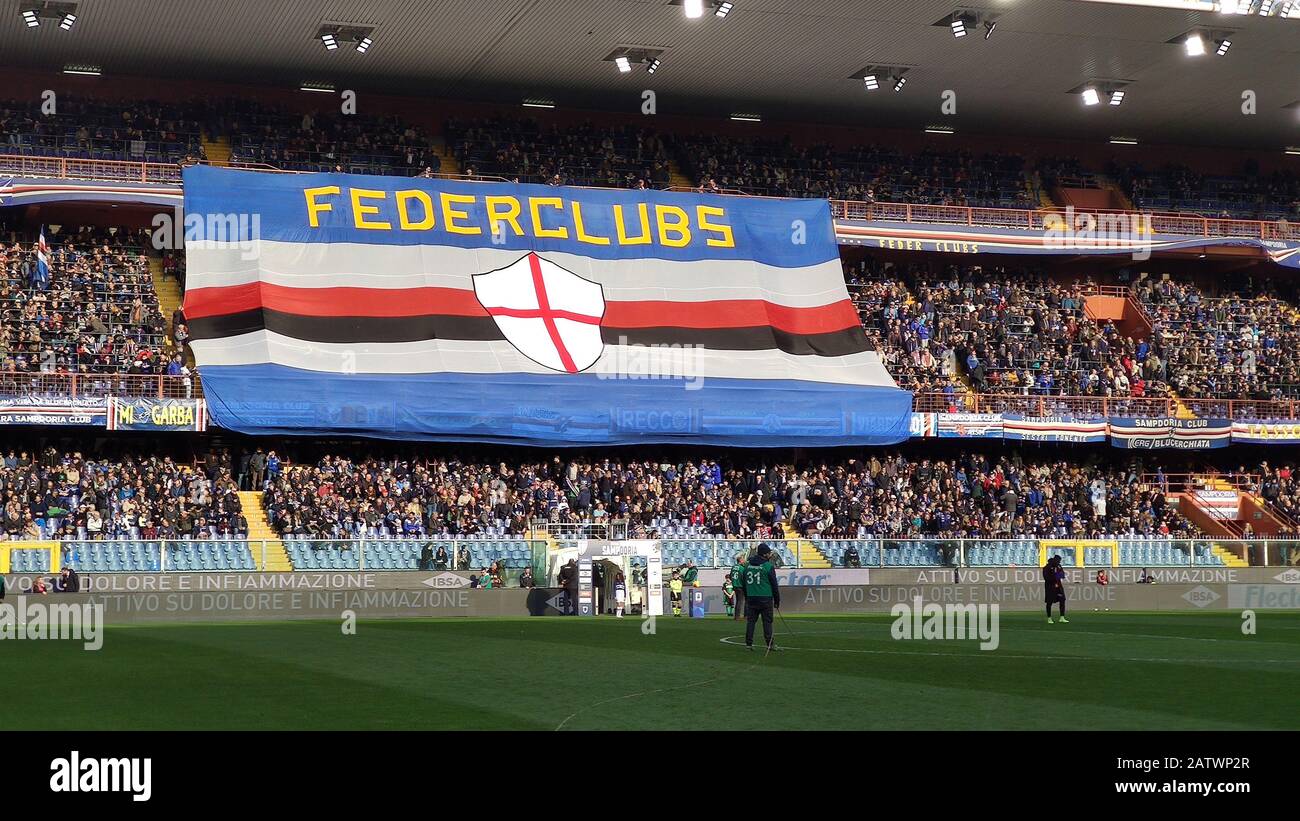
(552, 316)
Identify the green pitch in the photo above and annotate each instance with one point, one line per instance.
(1103, 670)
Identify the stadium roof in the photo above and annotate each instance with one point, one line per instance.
(782, 59)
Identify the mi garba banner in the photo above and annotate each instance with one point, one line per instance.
(157, 414)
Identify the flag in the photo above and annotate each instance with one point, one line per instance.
(439, 309)
(41, 273)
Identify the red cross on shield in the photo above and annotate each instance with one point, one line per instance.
(552, 316)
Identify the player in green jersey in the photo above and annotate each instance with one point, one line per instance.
(761, 594)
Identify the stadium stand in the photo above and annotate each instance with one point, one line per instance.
(1006, 330)
(586, 154)
(95, 327)
(1249, 195)
(327, 141)
(1241, 344)
(85, 128)
(889, 496)
(130, 500)
(871, 173)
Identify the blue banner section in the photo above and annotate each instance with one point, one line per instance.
(968, 426)
(44, 409)
(1181, 434)
(582, 409)
(596, 223)
(35, 191)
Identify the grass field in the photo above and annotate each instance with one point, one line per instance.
(1101, 671)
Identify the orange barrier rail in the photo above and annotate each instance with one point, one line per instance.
(1095, 406)
(1043, 219)
(75, 169)
(1189, 482)
(138, 385)
(1040, 219)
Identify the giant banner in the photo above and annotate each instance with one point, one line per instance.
(437, 309)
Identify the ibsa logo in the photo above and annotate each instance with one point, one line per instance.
(124, 775)
(1201, 596)
(446, 580)
(1291, 576)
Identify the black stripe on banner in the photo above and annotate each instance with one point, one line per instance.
(760, 338)
(345, 330)
(351, 330)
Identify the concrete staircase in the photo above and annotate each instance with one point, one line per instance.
(169, 299)
(1228, 557)
(259, 530)
(449, 162)
(677, 177)
(807, 553)
(959, 373)
(217, 150)
(1044, 198)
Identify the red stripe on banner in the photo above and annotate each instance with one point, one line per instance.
(547, 316)
(532, 313)
(398, 302)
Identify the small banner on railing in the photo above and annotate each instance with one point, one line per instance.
(1266, 433)
(32, 409)
(1183, 434)
(157, 414)
(1053, 428)
(969, 425)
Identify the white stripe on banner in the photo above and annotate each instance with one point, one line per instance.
(352, 265)
(499, 356)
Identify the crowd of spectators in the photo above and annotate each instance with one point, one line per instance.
(1249, 195)
(896, 326)
(328, 141)
(68, 495)
(524, 150)
(1280, 488)
(889, 495)
(873, 173)
(1243, 345)
(95, 313)
(881, 494)
(338, 497)
(1006, 331)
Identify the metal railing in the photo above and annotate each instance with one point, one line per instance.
(78, 169)
(1039, 219)
(1191, 482)
(157, 555)
(1103, 406)
(1010, 551)
(159, 386)
(1043, 219)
